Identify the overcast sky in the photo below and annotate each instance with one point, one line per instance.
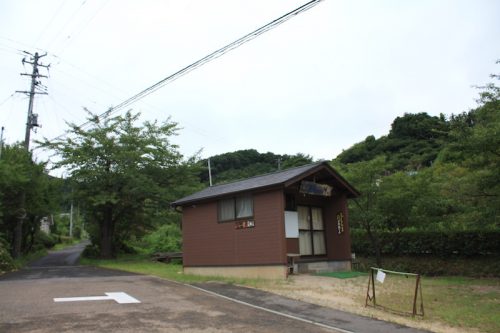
(316, 84)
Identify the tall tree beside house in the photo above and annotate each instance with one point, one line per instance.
(124, 175)
(364, 211)
(475, 147)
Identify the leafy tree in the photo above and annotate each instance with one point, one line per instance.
(419, 126)
(292, 161)
(27, 193)
(361, 151)
(367, 177)
(413, 142)
(475, 146)
(124, 175)
(167, 238)
(248, 163)
(396, 200)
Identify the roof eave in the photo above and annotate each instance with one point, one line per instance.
(218, 196)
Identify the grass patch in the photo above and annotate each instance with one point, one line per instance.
(464, 302)
(142, 264)
(27, 258)
(343, 275)
(65, 244)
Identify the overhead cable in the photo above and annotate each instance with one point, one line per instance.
(214, 55)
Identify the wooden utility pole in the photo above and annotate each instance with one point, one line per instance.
(209, 172)
(31, 121)
(1, 141)
(71, 220)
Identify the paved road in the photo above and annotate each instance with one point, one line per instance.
(27, 304)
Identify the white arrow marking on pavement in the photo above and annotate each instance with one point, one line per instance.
(120, 297)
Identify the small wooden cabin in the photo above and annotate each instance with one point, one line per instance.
(269, 226)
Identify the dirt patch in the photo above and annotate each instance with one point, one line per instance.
(486, 289)
(348, 295)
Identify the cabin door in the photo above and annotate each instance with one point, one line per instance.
(311, 231)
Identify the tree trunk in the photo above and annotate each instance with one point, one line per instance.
(18, 229)
(32, 236)
(376, 245)
(18, 238)
(107, 231)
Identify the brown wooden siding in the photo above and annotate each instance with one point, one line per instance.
(338, 246)
(209, 243)
(292, 245)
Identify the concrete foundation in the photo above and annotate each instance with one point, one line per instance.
(252, 272)
(323, 266)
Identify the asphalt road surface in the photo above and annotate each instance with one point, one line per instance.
(27, 304)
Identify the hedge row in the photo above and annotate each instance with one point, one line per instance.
(476, 267)
(435, 243)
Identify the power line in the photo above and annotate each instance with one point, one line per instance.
(70, 19)
(214, 55)
(72, 35)
(56, 13)
(5, 101)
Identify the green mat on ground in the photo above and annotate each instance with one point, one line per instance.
(343, 275)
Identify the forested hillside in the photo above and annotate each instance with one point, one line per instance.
(413, 142)
(247, 163)
(429, 173)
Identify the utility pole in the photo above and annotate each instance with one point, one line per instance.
(1, 141)
(209, 172)
(71, 220)
(32, 118)
(31, 121)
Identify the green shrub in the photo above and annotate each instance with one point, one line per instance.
(65, 240)
(6, 262)
(483, 266)
(167, 238)
(436, 243)
(44, 241)
(91, 251)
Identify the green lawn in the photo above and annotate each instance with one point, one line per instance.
(464, 302)
(343, 275)
(144, 265)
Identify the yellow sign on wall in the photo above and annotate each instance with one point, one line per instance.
(340, 223)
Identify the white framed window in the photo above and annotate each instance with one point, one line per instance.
(226, 209)
(235, 208)
(311, 231)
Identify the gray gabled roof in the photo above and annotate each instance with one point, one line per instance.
(259, 182)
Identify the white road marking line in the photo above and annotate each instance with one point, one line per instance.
(119, 297)
(53, 267)
(338, 329)
(123, 298)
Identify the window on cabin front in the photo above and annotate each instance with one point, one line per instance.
(235, 208)
(311, 231)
